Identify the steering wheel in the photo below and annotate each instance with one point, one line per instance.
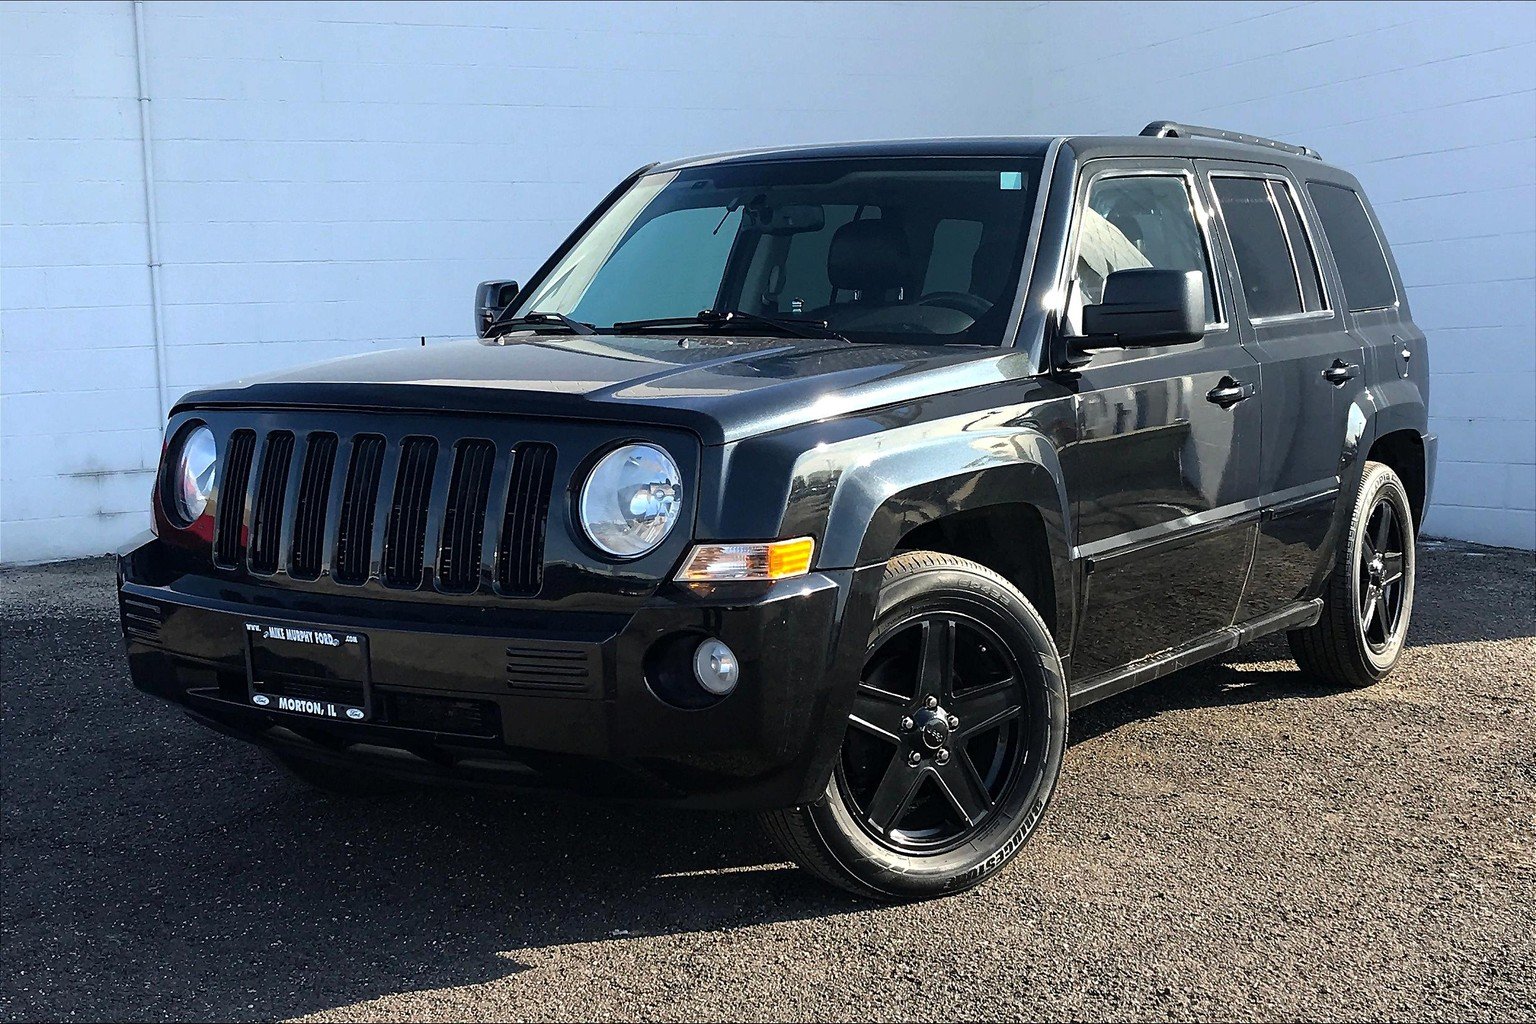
(972, 306)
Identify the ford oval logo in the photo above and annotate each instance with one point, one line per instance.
(261, 699)
(355, 713)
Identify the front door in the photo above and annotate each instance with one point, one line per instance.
(1312, 372)
(1164, 472)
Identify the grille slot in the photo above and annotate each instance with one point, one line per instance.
(354, 537)
(479, 718)
(314, 499)
(271, 490)
(406, 532)
(229, 530)
(550, 669)
(142, 620)
(458, 555)
(520, 554)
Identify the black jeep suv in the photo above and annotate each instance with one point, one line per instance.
(818, 482)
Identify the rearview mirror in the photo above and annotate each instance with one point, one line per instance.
(790, 219)
(491, 299)
(1147, 306)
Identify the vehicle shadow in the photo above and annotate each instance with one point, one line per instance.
(304, 903)
(154, 870)
(1228, 681)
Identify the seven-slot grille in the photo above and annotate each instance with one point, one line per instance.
(425, 506)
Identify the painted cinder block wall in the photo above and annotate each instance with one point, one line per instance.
(334, 178)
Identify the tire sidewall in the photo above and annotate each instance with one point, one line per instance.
(1381, 482)
(978, 594)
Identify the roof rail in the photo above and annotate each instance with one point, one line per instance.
(1174, 130)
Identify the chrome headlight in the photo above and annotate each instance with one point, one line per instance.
(631, 500)
(196, 464)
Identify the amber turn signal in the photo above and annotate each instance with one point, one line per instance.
(775, 560)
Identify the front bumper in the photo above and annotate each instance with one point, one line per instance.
(467, 695)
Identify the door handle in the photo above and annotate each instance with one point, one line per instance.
(1229, 392)
(1340, 372)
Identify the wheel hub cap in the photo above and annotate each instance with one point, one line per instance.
(933, 727)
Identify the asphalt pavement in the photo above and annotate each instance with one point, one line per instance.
(1232, 842)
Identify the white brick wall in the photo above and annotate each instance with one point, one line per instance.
(1433, 107)
(331, 178)
(78, 420)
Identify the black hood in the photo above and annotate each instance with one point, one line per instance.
(721, 388)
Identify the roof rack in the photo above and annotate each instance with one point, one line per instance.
(1174, 130)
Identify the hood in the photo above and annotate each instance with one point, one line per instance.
(721, 388)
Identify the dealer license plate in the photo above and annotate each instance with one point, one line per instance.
(303, 669)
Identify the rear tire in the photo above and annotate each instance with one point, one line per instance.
(954, 743)
(335, 780)
(1368, 598)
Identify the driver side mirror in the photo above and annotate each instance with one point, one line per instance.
(491, 299)
(1146, 307)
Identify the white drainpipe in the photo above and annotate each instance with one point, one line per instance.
(151, 218)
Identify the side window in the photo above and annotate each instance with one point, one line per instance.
(1307, 274)
(1356, 249)
(1263, 256)
(1139, 221)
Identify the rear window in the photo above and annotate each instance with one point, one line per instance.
(1356, 249)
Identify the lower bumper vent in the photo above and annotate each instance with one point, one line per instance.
(552, 669)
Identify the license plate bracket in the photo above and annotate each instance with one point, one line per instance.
(309, 670)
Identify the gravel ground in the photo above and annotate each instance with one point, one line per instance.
(1226, 843)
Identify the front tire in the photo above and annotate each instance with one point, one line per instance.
(954, 742)
(1369, 595)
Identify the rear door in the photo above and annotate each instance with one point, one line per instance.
(1164, 472)
(1311, 372)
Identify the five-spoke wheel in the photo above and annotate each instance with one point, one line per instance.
(1381, 583)
(935, 727)
(954, 738)
(1369, 595)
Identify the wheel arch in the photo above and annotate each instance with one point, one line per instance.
(1403, 450)
(1009, 538)
(1007, 510)
(1390, 424)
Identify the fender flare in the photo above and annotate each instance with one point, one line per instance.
(1376, 412)
(883, 497)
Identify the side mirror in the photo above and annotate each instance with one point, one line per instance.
(1146, 307)
(491, 298)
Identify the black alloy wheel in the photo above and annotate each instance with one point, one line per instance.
(1381, 576)
(953, 743)
(1368, 597)
(936, 733)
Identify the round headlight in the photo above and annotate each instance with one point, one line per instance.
(196, 465)
(631, 500)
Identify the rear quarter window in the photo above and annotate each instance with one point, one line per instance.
(1356, 248)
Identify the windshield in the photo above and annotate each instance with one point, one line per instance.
(901, 249)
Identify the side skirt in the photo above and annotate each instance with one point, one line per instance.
(1293, 616)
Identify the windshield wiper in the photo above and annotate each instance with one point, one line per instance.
(557, 320)
(724, 319)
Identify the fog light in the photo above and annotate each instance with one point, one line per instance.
(715, 667)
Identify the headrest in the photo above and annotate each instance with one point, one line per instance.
(868, 255)
(990, 266)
